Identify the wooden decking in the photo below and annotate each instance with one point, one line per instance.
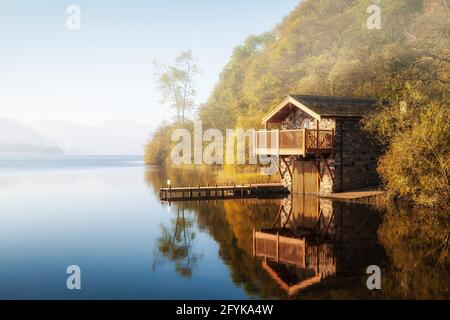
(253, 191)
(300, 142)
(360, 195)
(221, 192)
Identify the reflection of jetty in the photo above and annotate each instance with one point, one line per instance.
(221, 192)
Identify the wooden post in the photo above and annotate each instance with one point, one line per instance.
(254, 242)
(317, 260)
(318, 178)
(278, 247)
(303, 177)
(304, 141)
(317, 134)
(304, 252)
(278, 142)
(332, 139)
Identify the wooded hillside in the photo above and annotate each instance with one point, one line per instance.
(324, 47)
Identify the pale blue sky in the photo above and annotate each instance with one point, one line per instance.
(105, 70)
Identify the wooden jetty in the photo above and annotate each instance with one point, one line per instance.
(216, 192)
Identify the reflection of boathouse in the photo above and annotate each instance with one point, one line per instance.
(294, 263)
(313, 240)
(320, 144)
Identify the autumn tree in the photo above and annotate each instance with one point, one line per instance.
(176, 83)
(325, 48)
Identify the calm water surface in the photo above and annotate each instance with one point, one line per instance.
(104, 215)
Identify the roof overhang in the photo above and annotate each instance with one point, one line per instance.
(287, 103)
(291, 289)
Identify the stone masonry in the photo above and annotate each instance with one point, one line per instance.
(353, 161)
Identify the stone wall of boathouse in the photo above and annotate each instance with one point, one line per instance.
(354, 159)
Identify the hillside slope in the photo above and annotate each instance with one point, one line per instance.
(325, 47)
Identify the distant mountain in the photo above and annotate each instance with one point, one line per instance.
(17, 138)
(117, 137)
(29, 149)
(14, 132)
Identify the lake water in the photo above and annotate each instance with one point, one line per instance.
(104, 215)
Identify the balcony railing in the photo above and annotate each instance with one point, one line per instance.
(293, 142)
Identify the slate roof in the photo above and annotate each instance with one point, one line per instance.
(337, 106)
(322, 106)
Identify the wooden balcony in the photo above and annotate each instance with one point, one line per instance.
(300, 142)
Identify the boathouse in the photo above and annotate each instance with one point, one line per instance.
(320, 144)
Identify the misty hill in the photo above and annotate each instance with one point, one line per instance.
(13, 132)
(17, 138)
(115, 137)
(29, 149)
(53, 137)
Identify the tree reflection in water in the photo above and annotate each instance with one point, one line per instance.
(410, 245)
(176, 244)
(417, 242)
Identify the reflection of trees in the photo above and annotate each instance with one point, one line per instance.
(231, 224)
(213, 217)
(244, 215)
(156, 176)
(417, 243)
(176, 243)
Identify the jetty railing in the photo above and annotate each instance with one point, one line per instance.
(221, 192)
